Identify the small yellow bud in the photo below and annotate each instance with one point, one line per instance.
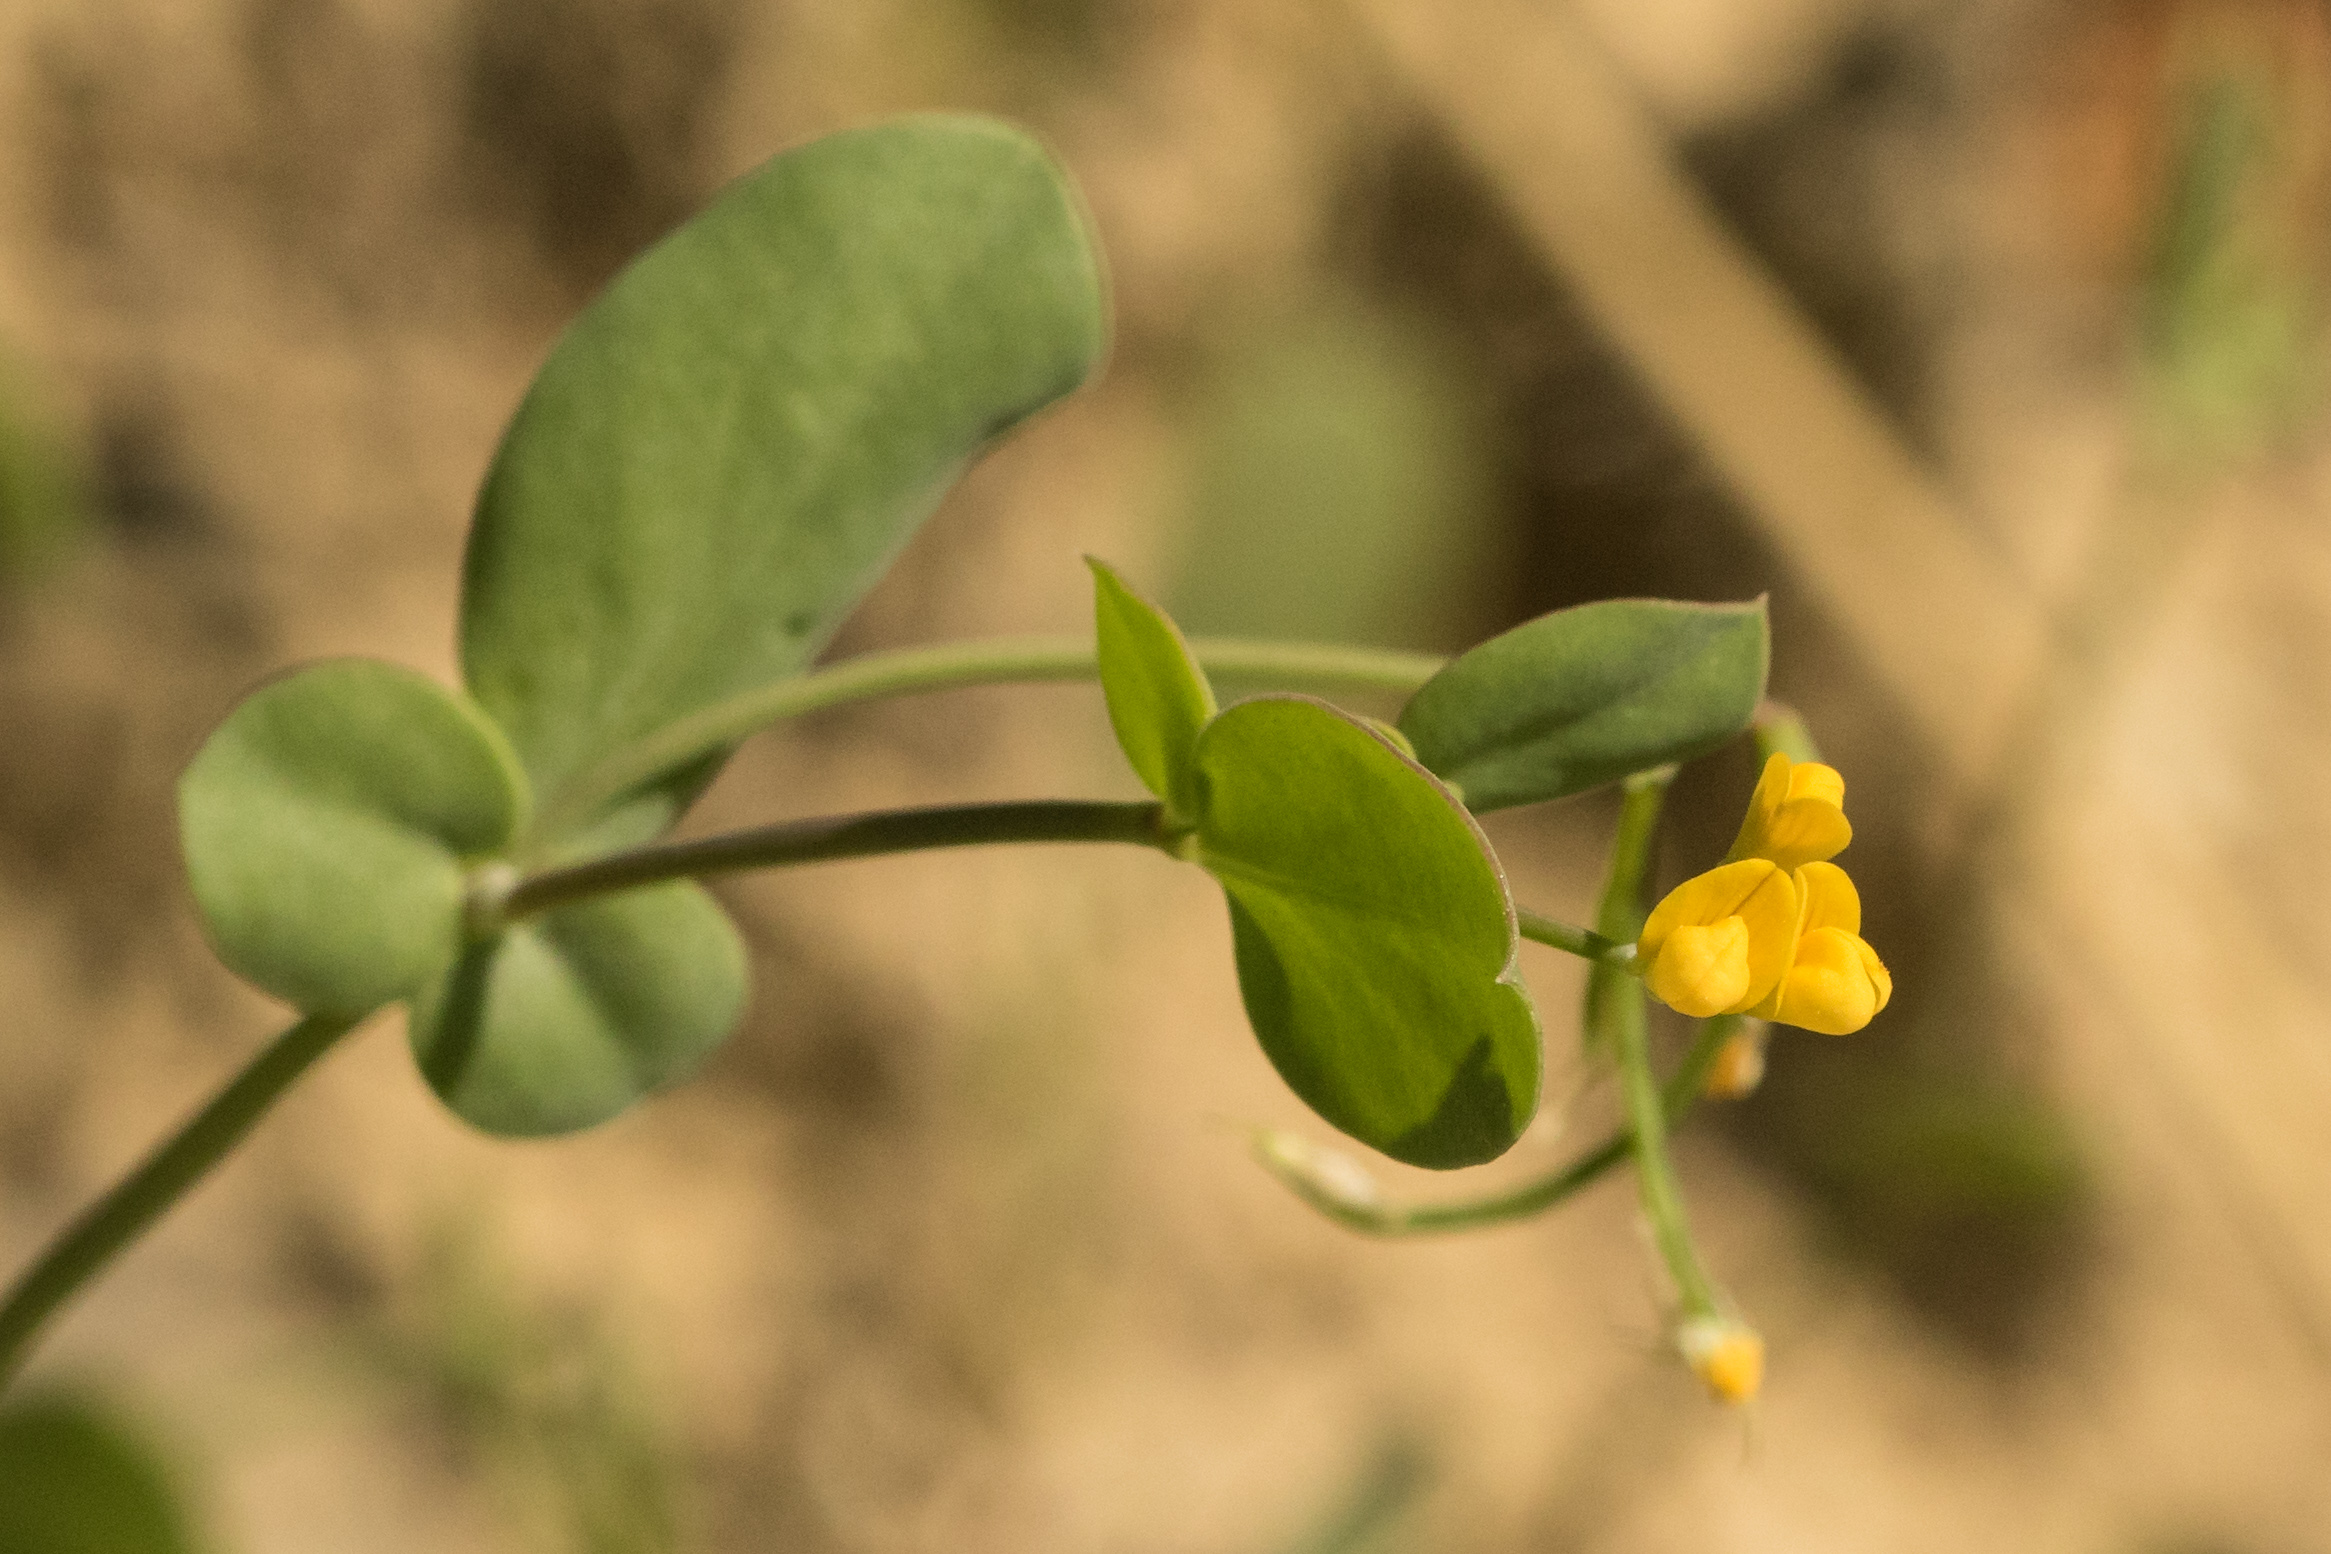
(1795, 817)
(1739, 1065)
(1725, 1354)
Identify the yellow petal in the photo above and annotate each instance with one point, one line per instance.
(1796, 816)
(1827, 899)
(1813, 780)
(1701, 970)
(1835, 986)
(1754, 890)
(1880, 978)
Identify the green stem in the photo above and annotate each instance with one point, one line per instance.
(842, 836)
(142, 1197)
(1620, 913)
(1681, 1094)
(995, 661)
(1582, 942)
(1654, 1174)
(1616, 1023)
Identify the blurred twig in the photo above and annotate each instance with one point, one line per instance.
(1591, 179)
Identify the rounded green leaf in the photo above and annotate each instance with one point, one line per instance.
(1158, 696)
(73, 1481)
(328, 823)
(567, 1018)
(729, 446)
(1584, 696)
(1375, 938)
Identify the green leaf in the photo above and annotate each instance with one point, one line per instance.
(327, 825)
(730, 445)
(1158, 696)
(73, 1481)
(1584, 696)
(1375, 939)
(567, 1018)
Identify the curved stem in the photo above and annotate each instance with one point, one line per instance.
(842, 836)
(1654, 1173)
(142, 1197)
(1682, 1092)
(994, 661)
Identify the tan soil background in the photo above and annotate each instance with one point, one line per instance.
(956, 1247)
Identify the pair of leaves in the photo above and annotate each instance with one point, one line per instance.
(1374, 935)
(716, 461)
(1375, 940)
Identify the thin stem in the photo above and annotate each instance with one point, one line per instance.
(995, 661)
(142, 1197)
(842, 836)
(1654, 1174)
(1582, 942)
(1619, 915)
(1682, 1092)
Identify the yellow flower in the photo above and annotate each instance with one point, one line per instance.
(1835, 982)
(1795, 817)
(1775, 930)
(1720, 943)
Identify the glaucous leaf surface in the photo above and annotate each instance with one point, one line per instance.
(73, 1481)
(729, 446)
(1375, 939)
(327, 823)
(567, 1018)
(1158, 696)
(1584, 696)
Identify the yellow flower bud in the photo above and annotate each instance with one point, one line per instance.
(1721, 941)
(1725, 1354)
(1795, 817)
(1739, 1065)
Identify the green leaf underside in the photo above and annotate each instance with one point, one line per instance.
(326, 825)
(1584, 696)
(568, 1018)
(729, 446)
(73, 1482)
(1374, 936)
(1158, 697)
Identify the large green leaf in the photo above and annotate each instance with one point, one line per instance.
(73, 1481)
(1158, 697)
(1375, 939)
(328, 823)
(731, 443)
(567, 1018)
(1584, 696)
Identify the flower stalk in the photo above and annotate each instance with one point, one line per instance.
(142, 1197)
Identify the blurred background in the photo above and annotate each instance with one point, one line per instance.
(1987, 336)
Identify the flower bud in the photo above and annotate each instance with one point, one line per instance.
(1796, 816)
(1725, 1354)
(1739, 1065)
